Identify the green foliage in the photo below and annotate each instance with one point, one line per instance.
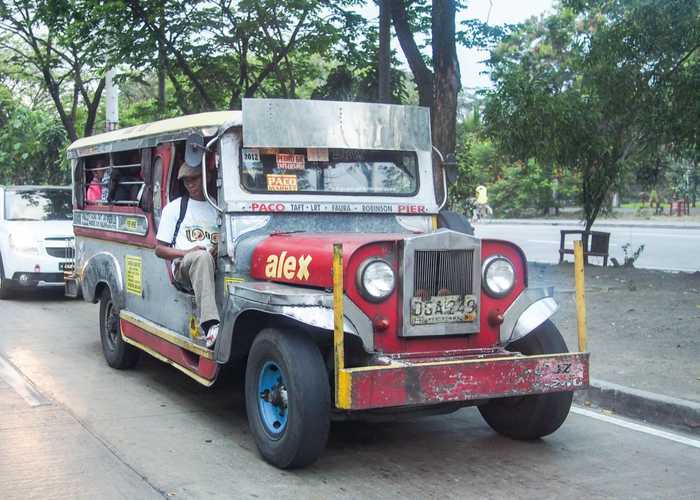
(32, 145)
(593, 86)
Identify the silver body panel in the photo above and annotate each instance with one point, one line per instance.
(309, 306)
(301, 123)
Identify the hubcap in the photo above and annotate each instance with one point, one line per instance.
(273, 402)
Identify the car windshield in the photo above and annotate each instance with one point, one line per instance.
(38, 205)
(334, 171)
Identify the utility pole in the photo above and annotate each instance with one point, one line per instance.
(112, 102)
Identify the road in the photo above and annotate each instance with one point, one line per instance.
(664, 248)
(92, 432)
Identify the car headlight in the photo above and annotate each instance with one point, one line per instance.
(24, 243)
(376, 280)
(498, 276)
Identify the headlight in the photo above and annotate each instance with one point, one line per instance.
(376, 280)
(24, 243)
(498, 276)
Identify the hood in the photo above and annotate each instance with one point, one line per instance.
(306, 258)
(41, 229)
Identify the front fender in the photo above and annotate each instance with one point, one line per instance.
(309, 306)
(532, 308)
(102, 267)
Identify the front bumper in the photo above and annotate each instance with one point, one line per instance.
(415, 383)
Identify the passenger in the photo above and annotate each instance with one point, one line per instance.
(189, 238)
(94, 190)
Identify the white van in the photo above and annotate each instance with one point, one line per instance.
(36, 237)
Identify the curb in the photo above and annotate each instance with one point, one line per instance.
(546, 222)
(658, 409)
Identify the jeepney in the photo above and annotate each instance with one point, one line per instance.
(344, 288)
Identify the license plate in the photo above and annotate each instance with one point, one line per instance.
(443, 309)
(66, 266)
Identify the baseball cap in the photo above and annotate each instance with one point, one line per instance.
(187, 171)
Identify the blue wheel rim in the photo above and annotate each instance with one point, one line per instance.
(272, 399)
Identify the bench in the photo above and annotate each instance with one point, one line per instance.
(595, 244)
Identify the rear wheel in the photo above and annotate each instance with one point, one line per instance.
(287, 398)
(531, 417)
(118, 353)
(5, 292)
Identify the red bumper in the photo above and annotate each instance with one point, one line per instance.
(416, 383)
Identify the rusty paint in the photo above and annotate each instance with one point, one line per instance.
(415, 383)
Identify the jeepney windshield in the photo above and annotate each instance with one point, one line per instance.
(329, 171)
(38, 205)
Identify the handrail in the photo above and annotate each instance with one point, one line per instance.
(204, 175)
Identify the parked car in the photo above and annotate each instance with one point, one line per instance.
(36, 237)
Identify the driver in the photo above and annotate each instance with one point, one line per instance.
(188, 236)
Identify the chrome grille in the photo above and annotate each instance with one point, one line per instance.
(61, 252)
(443, 272)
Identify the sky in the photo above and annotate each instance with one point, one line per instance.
(497, 12)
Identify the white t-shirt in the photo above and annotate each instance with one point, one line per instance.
(198, 228)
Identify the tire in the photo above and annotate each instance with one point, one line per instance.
(5, 291)
(531, 417)
(291, 432)
(117, 353)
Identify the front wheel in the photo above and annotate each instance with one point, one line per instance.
(118, 353)
(5, 291)
(287, 397)
(531, 417)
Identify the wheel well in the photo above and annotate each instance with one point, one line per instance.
(250, 323)
(101, 286)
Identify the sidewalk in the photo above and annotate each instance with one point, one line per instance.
(643, 336)
(691, 223)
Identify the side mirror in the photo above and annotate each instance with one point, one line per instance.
(194, 150)
(450, 166)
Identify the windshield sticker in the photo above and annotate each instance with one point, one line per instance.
(290, 162)
(251, 157)
(317, 154)
(277, 182)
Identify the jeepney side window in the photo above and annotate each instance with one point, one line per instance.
(94, 183)
(127, 183)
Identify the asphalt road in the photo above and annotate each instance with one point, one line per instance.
(664, 248)
(88, 431)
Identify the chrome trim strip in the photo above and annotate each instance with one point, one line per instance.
(165, 334)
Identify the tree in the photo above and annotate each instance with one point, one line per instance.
(53, 39)
(591, 87)
(31, 144)
(438, 87)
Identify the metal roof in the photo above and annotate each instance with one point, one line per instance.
(204, 123)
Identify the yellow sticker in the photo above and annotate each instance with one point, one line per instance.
(281, 182)
(132, 224)
(194, 328)
(133, 274)
(229, 280)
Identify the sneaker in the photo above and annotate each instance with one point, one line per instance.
(212, 333)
